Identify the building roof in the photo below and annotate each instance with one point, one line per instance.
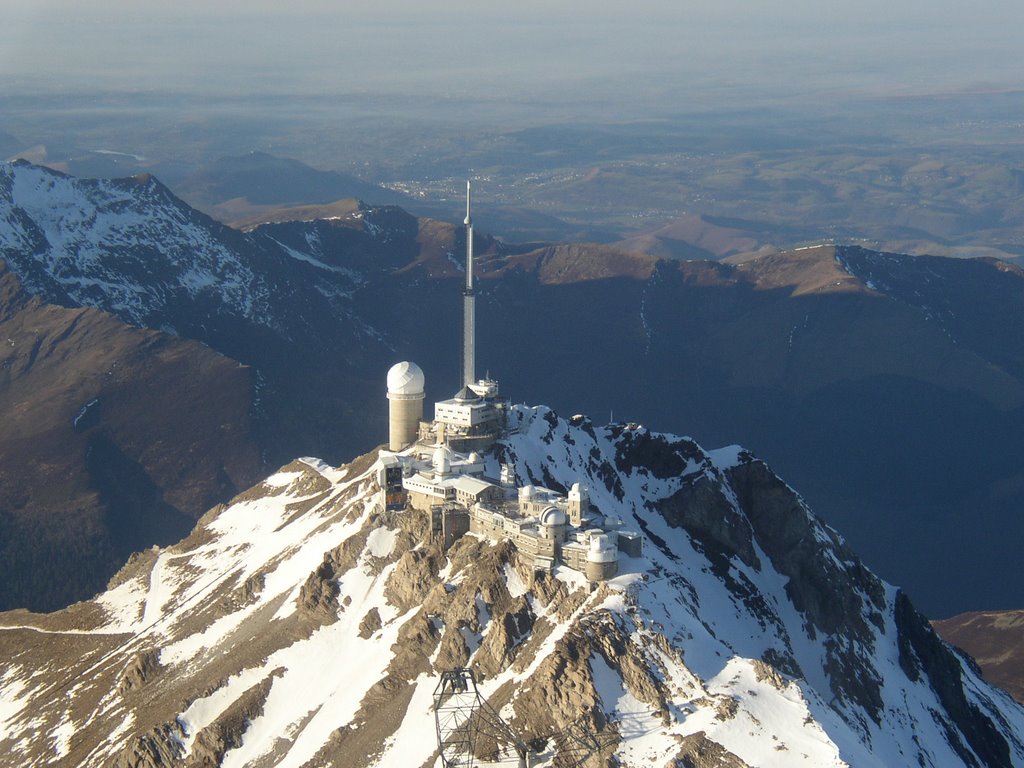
(466, 394)
(472, 485)
(552, 516)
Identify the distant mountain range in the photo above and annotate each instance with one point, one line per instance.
(889, 389)
(254, 188)
(259, 181)
(692, 236)
(303, 624)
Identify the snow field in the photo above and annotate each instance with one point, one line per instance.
(645, 739)
(770, 728)
(324, 681)
(12, 685)
(319, 684)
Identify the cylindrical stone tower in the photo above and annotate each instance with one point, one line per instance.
(602, 557)
(405, 391)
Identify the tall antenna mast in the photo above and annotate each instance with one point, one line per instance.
(469, 305)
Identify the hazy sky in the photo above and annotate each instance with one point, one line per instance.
(557, 48)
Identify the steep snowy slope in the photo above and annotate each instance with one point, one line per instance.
(117, 243)
(303, 625)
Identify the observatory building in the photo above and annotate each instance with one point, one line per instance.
(547, 527)
(436, 468)
(405, 391)
(467, 421)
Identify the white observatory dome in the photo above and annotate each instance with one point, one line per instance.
(552, 516)
(405, 378)
(442, 460)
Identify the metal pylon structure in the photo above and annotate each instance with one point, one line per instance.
(468, 728)
(579, 743)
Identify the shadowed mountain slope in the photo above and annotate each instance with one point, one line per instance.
(888, 388)
(263, 179)
(114, 438)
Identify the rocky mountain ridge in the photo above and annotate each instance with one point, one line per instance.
(829, 361)
(303, 625)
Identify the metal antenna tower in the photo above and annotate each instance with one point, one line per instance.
(468, 728)
(469, 306)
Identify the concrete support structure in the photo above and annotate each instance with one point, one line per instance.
(405, 391)
(469, 306)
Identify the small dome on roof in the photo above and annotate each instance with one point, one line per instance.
(473, 457)
(552, 516)
(405, 378)
(442, 459)
(526, 492)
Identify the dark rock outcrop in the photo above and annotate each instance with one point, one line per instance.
(160, 748)
(924, 655)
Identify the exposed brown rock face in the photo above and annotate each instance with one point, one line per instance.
(227, 730)
(144, 668)
(318, 598)
(700, 752)
(996, 641)
(113, 438)
(159, 748)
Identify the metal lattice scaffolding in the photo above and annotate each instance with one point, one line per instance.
(470, 730)
(467, 726)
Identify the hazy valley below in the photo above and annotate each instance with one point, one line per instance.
(928, 172)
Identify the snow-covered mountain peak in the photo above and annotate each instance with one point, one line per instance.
(304, 624)
(129, 246)
(125, 245)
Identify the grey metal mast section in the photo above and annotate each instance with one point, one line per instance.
(469, 306)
